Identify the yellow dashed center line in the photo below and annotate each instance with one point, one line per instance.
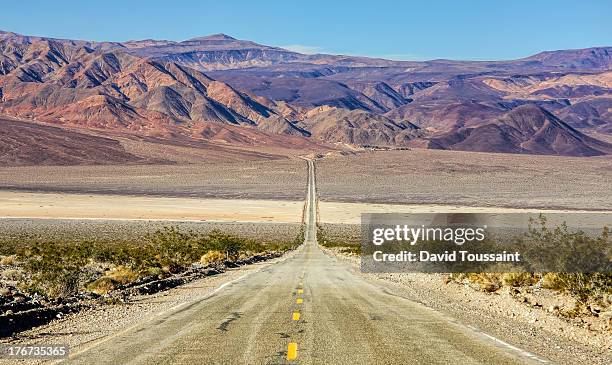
(292, 351)
(292, 346)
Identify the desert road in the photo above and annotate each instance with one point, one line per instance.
(306, 309)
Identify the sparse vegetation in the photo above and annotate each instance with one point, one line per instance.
(567, 249)
(582, 285)
(343, 246)
(60, 268)
(493, 281)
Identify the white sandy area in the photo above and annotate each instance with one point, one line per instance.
(121, 207)
(86, 206)
(350, 213)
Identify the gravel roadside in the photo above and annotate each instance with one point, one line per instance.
(498, 315)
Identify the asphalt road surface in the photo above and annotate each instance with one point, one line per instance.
(307, 309)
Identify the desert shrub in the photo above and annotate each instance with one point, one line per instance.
(122, 274)
(243, 255)
(228, 244)
(488, 282)
(566, 251)
(114, 277)
(7, 260)
(12, 275)
(154, 271)
(212, 258)
(494, 281)
(351, 250)
(551, 281)
(321, 237)
(55, 269)
(584, 286)
(174, 249)
(518, 279)
(299, 238)
(102, 285)
(562, 249)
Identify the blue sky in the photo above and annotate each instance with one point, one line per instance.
(408, 30)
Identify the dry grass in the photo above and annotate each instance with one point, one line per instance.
(122, 274)
(7, 260)
(212, 258)
(493, 281)
(115, 276)
(101, 286)
(518, 279)
(12, 274)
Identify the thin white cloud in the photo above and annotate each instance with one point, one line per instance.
(300, 48)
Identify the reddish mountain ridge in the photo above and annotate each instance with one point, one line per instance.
(525, 129)
(230, 92)
(75, 85)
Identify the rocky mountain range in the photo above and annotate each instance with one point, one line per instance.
(227, 92)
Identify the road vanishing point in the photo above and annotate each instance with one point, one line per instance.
(306, 309)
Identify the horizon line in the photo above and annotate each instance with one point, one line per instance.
(389, 57)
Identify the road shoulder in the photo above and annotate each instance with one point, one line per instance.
(495, 315)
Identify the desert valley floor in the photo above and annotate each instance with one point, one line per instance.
(407, 180)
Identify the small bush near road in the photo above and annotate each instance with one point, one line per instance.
(212, 258)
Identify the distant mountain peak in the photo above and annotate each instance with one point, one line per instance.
(214, 37)
(6, 34)
(594, 58)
